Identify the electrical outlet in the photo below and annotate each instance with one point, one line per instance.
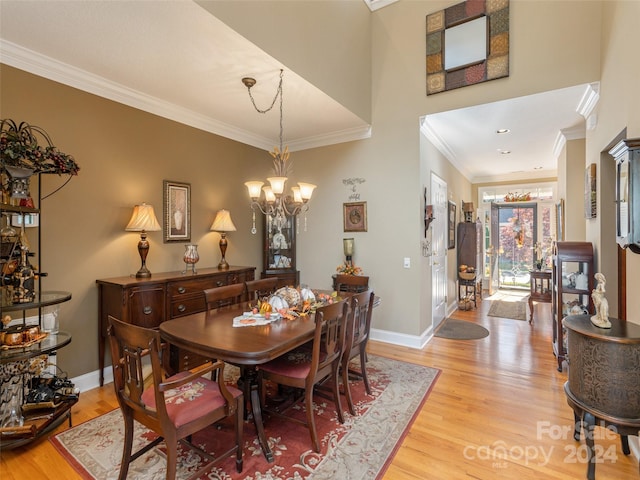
(407, 262)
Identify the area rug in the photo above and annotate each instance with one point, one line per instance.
(514, 308)
(461, 330)
(359, 449)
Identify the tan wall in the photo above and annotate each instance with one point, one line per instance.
(124, 156)
(617, 110)
(574, 191)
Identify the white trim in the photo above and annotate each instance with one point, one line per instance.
(429, 132)
(634, 446)
(91, 380)
(589, 100)
(378, 4)
(20, 57)
(411, 341)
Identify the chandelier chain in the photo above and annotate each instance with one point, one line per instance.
(273, 102)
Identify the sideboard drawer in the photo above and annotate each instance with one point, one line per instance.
(186, 305)
(146, 306)
(195, 285)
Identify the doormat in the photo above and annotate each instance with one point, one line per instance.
(515, 309)
(359, 449)
(461, 330)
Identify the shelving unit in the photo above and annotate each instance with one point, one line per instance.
(570, 259)
(22, 296)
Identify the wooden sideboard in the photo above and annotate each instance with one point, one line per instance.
(604, 380)
(147, 302)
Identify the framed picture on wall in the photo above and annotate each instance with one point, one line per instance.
(590, 193)
(560, 220)
(451, 223)
(355, 216)
(177, 211)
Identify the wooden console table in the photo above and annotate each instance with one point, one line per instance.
(541, 288)
(147, 302)
(604, 380)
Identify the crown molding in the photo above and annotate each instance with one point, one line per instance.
(24, 59)
(589, 99)
(378, 4)
(442, 146)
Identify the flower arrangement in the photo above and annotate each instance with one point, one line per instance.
(19, 148)
(349, 269)
(540, 255)
(307, 303)
(517, 197)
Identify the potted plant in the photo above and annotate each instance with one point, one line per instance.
(21, 155)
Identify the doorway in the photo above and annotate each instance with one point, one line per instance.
(514, 235)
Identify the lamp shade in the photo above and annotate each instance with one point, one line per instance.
(223, 222)
(143, 220)
(348, 246)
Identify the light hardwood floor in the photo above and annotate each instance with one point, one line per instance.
(497, 411)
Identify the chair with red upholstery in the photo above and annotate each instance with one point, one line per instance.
(174, 407)
(356, 339)
(310, 365)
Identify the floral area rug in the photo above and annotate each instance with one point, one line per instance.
(361, 448)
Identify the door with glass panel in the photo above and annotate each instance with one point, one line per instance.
(439, 250)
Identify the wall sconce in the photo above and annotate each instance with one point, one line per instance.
(223, 224)
(347, 244)
(143, 220)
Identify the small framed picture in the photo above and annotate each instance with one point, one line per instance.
(177, 211)
(590, 192)
(451, 236)
(355, 216)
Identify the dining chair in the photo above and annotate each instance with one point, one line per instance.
(351, 283)
(356, 339)
(305, 367)
(225, 296)
(263, 287)
(175, 407)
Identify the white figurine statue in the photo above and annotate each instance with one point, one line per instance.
(601, 318)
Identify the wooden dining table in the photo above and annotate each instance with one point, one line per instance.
(213, 335)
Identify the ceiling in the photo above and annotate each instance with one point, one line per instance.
(176, 60)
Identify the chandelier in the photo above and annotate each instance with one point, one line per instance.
(271, 199)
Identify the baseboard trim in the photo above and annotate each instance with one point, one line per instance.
(634, 446)
(91, 380)
(403, 339)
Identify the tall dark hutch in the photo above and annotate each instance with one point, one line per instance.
(279, 247)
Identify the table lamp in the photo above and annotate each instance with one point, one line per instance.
(223, 224)
(143, 220)
(347, 244)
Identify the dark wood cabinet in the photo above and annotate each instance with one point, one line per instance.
(572, 273)
(627, 156)
(147, 302)
(279, 248)
(603, 384)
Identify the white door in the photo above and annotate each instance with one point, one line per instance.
(439, 250)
